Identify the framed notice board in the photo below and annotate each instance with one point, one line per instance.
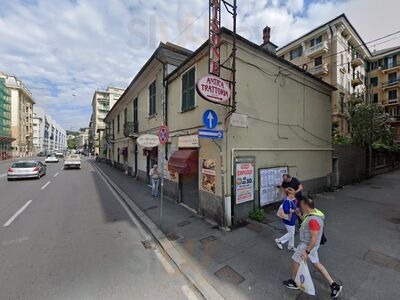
(268, 179)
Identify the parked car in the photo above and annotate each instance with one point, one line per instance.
(26, 169)
(51, 159)
(59, 154)
(72, 161)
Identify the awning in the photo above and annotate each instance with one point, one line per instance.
(151, 151)
(6, 139)
(184, 162)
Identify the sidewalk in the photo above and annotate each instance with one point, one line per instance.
(245, 263)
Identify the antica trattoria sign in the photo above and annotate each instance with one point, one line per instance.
(213, 88)
(148, 140)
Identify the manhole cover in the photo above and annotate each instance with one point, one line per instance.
(394, 220)
(228, 274)
(382, 260)
(149, 208)
(148, 244)
(255, 227)
(184, 223)
(208, 239)
(174, 237)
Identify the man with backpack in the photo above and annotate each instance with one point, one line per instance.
(311, 233)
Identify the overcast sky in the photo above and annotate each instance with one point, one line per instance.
(65, 47)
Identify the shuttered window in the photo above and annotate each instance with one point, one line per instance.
(152, 99)
(188, 90)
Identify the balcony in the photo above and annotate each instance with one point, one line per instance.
(357, 98)
(317, 49)
(357, 79)
(356, 60)
(109, 137)
(391, 102)
(390, 84)
(390, 67)
(320, 70)
(131, 129)
(394, 119)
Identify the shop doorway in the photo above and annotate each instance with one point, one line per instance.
(150, 163)
(189, 190)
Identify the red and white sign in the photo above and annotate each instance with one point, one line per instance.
(213, 88)
(244, 182)
(163, 134)
(215, 39)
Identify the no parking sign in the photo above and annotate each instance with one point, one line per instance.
(163, 134)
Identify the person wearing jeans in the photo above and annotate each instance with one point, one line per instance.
(155, 179)
(289, 208)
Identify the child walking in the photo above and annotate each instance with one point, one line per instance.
(289, 207)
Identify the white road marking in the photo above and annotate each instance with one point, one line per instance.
(43, 187)
(16, 241)
(3, 175)
(62, 168)
(167, 266)
(188, 292)
(55, 175)
(10, 220)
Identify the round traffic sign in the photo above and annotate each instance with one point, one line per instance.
(210, 119)
(163, 134)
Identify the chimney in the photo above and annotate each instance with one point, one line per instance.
(267, 44)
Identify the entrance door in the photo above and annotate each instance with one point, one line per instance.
(136, 159)
(150, 163)
(189, 190)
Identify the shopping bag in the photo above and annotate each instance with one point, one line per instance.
(281, 214)
(304, 280)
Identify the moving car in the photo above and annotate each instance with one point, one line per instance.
(51, 159)
(59, 154)
(72, 161)
(26, 169)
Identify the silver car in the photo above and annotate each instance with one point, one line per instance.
(26, 169)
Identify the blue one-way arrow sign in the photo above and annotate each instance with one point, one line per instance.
(211, 134)
(210, 119)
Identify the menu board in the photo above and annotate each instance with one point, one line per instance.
(269, 179)
(244, 180)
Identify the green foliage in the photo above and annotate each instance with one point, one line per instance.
(71, 144)
(341, 140)
(257, 214)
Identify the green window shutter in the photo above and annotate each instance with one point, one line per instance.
(188, 90)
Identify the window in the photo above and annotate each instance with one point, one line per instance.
(374, 81)
(152, 99)
(125, 115)
(296, 52)
(374, 65)
(188, 90)
(376, 99)
(392, 95)
(118, 125)
(392, 77)
(316, 41)
(113, 126)
(341, 103)
(390, 61)
(318, 61)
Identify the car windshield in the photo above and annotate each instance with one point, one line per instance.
(24, 165)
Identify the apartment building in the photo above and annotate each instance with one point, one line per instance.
(102, 102)
(384, 83)
(82, 139)
(21, 116)
(335, 53)
(270, 131)
(48, 135)
(5, 121)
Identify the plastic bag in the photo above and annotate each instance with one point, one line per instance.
(304, 280)
(281, 214)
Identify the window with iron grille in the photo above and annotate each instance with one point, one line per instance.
(188, 90)
(296, 52)
(152, 99)
(392, 95)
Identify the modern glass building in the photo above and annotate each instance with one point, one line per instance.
(5, 121)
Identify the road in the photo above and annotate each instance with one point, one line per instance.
(66, 236)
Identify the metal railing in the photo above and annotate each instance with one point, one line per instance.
(131, 128)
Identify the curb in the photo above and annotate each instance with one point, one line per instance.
(185, 267)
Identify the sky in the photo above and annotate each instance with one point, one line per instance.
(73, 47)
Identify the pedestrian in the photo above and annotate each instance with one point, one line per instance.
(289, 208)
(311, 232)
(293, 182)
(155, 179)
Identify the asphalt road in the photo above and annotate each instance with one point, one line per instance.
(66, 236)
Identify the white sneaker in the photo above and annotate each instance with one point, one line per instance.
(278, 244)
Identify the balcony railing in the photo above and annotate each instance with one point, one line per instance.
(390, 84)
(390, 66)
(358, 79)
(317, 49)
(356, 60)
(131, 129)
(390, 102)
(109, 136)
(357, 97)
(320, 70)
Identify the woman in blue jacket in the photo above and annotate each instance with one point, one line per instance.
(289, 207)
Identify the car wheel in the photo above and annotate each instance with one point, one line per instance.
(9, 179)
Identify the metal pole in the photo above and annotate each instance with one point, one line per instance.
(370, 133)
(162, 186)
(222, 181)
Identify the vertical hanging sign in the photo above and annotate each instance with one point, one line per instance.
(214, 37)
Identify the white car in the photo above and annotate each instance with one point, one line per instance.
(51, 159)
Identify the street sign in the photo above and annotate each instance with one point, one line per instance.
(163, 134)
(148, 140)
(210, 119)
(211, 134)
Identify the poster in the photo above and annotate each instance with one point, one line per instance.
(269, 179)
(244, 180)
(208, 179)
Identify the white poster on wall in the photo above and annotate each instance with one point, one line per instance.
(269, 179)
(244, 184)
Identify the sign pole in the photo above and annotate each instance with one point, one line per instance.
(162, 185)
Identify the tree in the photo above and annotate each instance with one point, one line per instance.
(370, 118)
(71, 143)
